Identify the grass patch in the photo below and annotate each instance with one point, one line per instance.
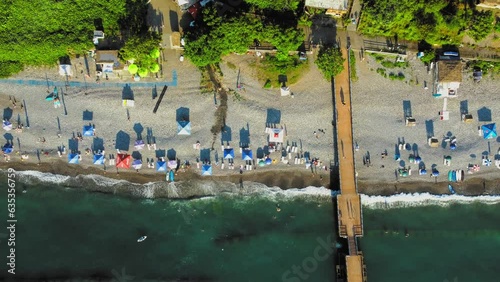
(352, 66)
(8, 68)
(490, 67)
(399, 76)
(206, 84)
(391, 65)
(382, 72)
(231, 65)
(269, 69)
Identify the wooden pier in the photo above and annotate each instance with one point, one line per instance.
(350, 220)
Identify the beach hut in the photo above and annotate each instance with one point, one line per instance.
(161, 166)
(139, 144)
(229, 153)
(73, 159)
(247, 155)
(489, 131)
(276, 135)
(7, 125)
(137, 164)
(123, 161)
(172, 164)
(7, 148)
(98, 159)
(206, 169)
(88, 130)
(183, 128)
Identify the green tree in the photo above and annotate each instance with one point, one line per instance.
(481, 24)
(330, 62)
(275, 4)
(139, 49)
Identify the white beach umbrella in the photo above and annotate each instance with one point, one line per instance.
(7, 125)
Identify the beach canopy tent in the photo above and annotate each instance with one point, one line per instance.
(88, 130)
(161, 166)
(276, 135)
(99, 159)
(247, 155)
(65, 70)
(229, 153)
(128, 103)
(73, 159)
(137, 164)
(206, 169)
(489, 130)
(7, 148)
(285, 91)
(7, 125)
(123, 161)
(172, 164)
(184, 128)
(139, 144)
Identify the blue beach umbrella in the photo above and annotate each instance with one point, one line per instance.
(418, 160)
(206, 170)
(423, 172)
(88, 130)
(161, 166)
(7, 148)
(453, 146)
(98, 159)
(137, 164)
(269, 161)
(489, 130)
(247, 155)
(73, 159)
(229, 153)
(7, 125)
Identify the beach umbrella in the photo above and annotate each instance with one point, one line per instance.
(155, 53)
(137, 78)
(206, 169)
(7, 125)
(50, 97)
(269, 161)
(423, 172)
(247, 155)
(133, 68)
(154, 68)
(183, 128)
(88, 130)
(73, 159)
(98, 159)
(172, 164)
(161, 166)
(7, 148)
(143, 72)
(435, 173)
(55, 92)
(262, 163)
(139, 144)
(418, 159)
(489, 130)
(123, 161)
(229, 153)
(453, 146)
(137, 164)
(412, 159)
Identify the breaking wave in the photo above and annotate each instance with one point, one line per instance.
(206, 188)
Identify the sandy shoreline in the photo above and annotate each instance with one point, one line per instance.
(283, 178)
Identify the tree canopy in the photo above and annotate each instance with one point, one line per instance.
(217, 36)
(275, 4)
(436, 21)
(142, 49)
(330, 61)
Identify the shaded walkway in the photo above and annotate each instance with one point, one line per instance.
(83, 84)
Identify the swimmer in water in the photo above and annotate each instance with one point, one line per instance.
(278, 209)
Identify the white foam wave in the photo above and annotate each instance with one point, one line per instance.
(43, 176)
(424, 199)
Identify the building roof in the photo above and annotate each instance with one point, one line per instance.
(106, 56)
(449, 71)
(328, 4)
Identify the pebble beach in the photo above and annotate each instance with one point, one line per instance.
(378, 120)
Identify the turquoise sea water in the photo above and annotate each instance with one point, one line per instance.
(69, 233)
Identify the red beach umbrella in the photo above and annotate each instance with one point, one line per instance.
(123, 161)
